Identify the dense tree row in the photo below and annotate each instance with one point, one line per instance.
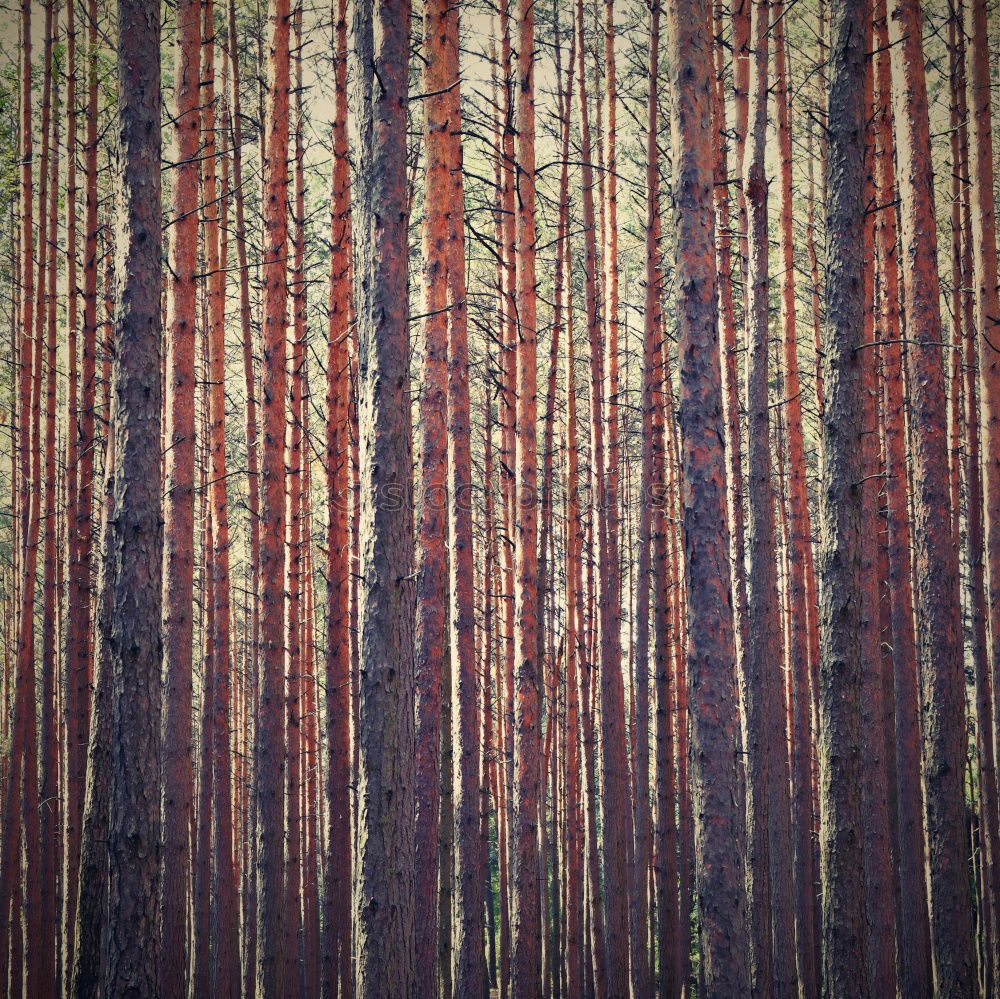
(499, 499)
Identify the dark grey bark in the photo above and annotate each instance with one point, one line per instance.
(135, 535)
(383, 893)
(840, 620)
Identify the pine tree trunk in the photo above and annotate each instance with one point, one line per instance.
(526, 790)
(431, 557)
(178, 530)
(652, 334)
(879, 897)
(225, 935)
(384, 886)
(937, 598)
(768, 808)
(982, 236)
(711, 648)
(337, 895)
(270, 749)
(77, 595)
(840, 685)
(45, 983)
(89, 907)
(801, 583)
(468, 964)
(912, 921)
(616, 809)
(136, 535)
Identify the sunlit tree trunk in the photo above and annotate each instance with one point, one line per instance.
(431, 557)
(937, 598)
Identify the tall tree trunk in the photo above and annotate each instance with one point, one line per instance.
(384, 886)
(801, 583)
(89, 907)
(431, 557)
(616, 811)
(83, 658)
(225, 935)
(879, 896)
(840, 687)
(973, 311)
(711, 648)
(526, 790)
(652, 334)
(938, 611)
(730, 376)
(468, 964)
(337, 895)
(598, 950)
(178, 530)
(912, 922)
(982, 236)
(270, 750)
(295, 447)
(250, 694)
(78, 594)
(45, 983)
(136, 534)
(768, 808)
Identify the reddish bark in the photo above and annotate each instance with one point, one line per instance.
(431, 558)
(178, 530)
(879, 897)
(913, 916)
(937, 596)
(225, 955)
